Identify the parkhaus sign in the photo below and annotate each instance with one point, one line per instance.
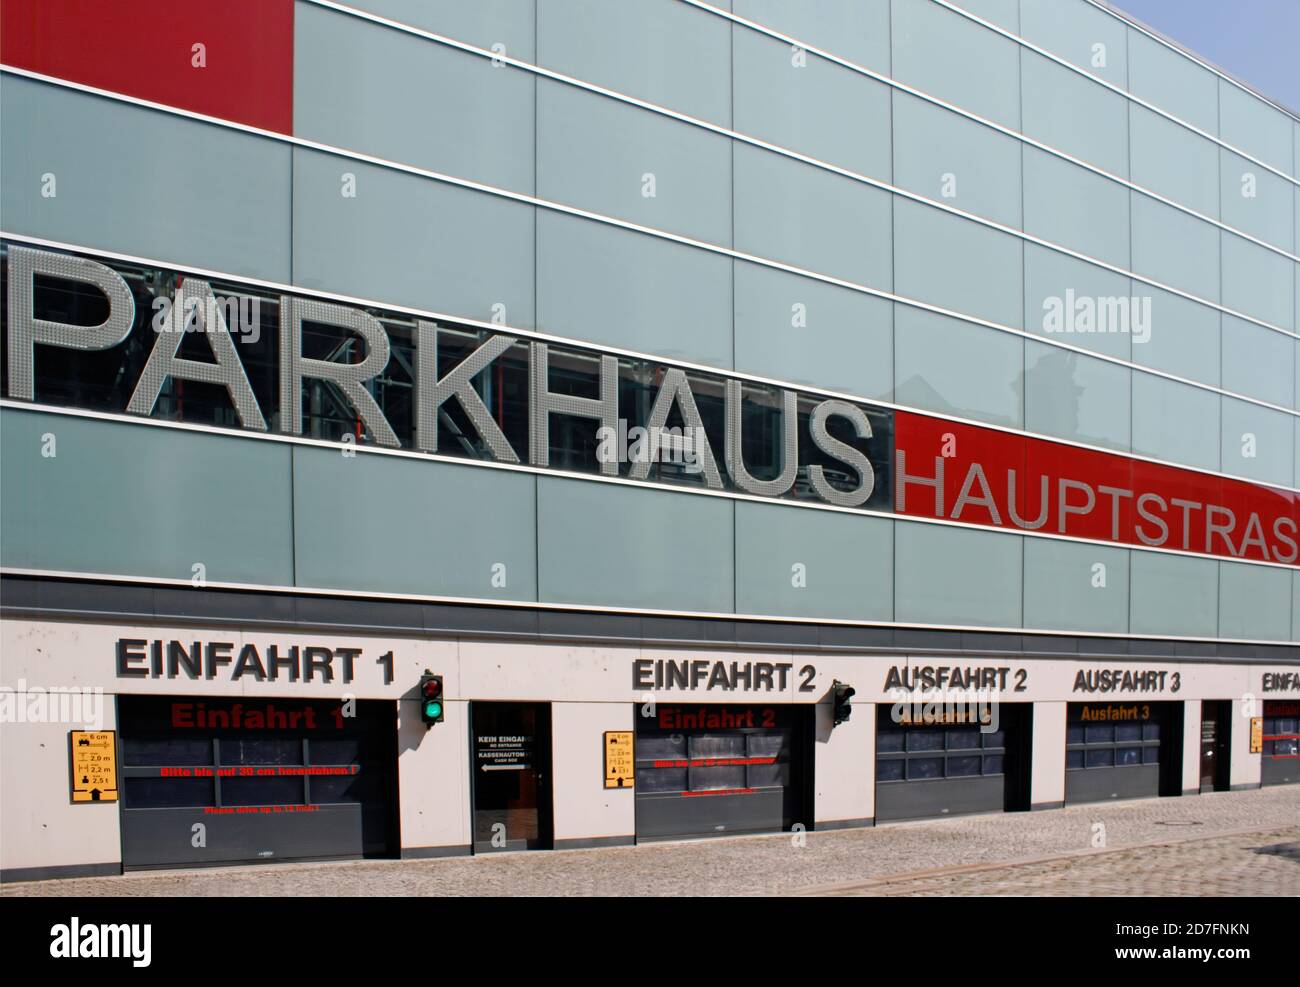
(234, 354)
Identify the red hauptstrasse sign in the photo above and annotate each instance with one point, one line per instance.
(943, 469)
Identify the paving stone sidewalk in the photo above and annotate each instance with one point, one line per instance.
(1244, 865)
(937, 854)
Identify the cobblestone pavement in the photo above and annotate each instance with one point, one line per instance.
(1216, 844)
(1260, 863)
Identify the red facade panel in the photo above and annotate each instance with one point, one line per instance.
(225, 58)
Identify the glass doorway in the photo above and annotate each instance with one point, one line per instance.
(1216, 726)
(510, 780)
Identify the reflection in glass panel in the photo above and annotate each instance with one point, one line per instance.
(995, 738)
(925, 767)
(925, 740)
(167, 793)
(660, 745)
(1128, 755)
(714, 778)
(1150, 731)
(1150, 755)
(337, 750)
(766, 744)
(269, 790)
(889, 769)
(768, 775)
(959, 767)
(717, 745)
(1101, 733)
(330, 789)
(889, 740)
(1128, 732)
(1288, 725)
(661, 779)
(260, 749)
(167, 751)
(1074, 733)
(993, 764)
(1102, 758)
(963, 740)
(1286, 747)
(1074, 759)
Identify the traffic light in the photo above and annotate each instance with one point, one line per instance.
(841, 693)
(430, 698)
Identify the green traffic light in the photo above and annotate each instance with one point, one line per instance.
(432, 709)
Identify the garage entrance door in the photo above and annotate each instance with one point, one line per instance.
(714, 770)
(1281, 761)
(951, 763)
(217, 781)
(1123, 750)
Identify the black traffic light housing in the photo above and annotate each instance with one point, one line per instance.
(431, 701)
(841, 693)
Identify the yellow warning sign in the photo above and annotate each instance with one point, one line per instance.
(1257, 734)
(620, 761)
(94, 765)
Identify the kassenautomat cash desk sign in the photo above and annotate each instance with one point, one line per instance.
(120, 337)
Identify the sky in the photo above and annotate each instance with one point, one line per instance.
(1257, 41)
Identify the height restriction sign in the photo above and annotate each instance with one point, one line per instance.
(620, 767)
(94, 765)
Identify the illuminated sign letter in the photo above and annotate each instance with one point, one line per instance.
(676, 387)
(431, 392)
(349, 377)
(228, 371)
(25, 330)
(543, 402)
(832, 446)
(735, 444)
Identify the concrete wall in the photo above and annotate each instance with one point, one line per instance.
(1047, 783)
(585, 810)
(845, 767)
(1246, 767)
(40, 827)
(1191, 745)
(433, 778)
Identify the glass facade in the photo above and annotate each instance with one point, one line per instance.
(1100, 251)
